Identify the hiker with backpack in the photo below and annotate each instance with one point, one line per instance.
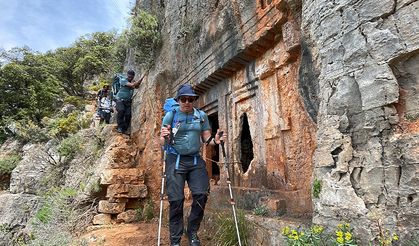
(123, 90)
(105, 108)
(183, 130)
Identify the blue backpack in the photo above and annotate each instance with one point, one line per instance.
(116, 85)
(170, 105)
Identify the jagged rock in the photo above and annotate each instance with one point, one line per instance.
(68, 109)
(127, 216)
(10, 146)
(15, 210)
(107, 207)
(32, 175)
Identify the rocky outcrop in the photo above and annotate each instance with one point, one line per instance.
(122, 179)
(16, 211)
(365, 159)
(243, 59)
(34, 173)
(307, 90)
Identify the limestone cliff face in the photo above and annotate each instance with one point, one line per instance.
(367, 157)
(243, 58)
(306, 90)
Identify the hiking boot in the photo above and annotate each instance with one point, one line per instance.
(119, 130)
(194, 239)
(175, 244)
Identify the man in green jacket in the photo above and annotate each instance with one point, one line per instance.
(124, 101)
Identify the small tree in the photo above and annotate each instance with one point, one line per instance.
(144, 36)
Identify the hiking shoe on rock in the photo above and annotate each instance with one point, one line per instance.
(119, 130)
(194, 240)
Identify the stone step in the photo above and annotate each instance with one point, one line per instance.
(127, 191)
(122, 176)
(107, 207)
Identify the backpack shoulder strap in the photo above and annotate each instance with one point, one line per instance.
(172, 115)
(199, 113)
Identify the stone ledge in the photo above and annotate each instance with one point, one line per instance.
(122, 176)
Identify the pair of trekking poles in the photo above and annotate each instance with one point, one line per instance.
(232, 202)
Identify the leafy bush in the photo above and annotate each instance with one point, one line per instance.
(79, 102)
(144, 36)
(148, 211)
(226, 229)
(64, 126)
(412, 117)
(28, 131)
(344, 235)
(8, 163)
(261, 211)
(316, 236)
(317, 188)
(70, 146)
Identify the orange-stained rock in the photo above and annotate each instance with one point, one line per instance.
(122, 176)
(110, 207)
(127, 191)
(102, 219)
(127, 216)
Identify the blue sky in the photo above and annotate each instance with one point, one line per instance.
(48, 24)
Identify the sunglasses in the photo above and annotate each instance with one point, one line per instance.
(189, 99)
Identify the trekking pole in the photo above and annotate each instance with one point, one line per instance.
(166, 141)
(232, 202)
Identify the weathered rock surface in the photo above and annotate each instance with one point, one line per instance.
(33, 173)
(302, 87)
(15, 210)
(365, 52)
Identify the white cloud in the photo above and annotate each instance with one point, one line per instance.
(49, 24)
(119, 11)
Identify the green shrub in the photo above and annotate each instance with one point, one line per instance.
(4, 228)
(97, 86)
(63, 126)
(226, 234)
(29, 131)
(148, 211)
(261, 211)
(56, 220)
(8, 163)
(144, 36)
(314, 236)
(412, 117)
(70, 146)
(79, 102)
(317, 188)
(44, 214)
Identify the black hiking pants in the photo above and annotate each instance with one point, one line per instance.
(123, 117)
(198, 182)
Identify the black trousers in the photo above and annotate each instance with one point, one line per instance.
(198, 183)
(194, 220)
(123, 117)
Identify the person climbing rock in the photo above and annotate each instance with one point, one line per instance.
(123, 100)
(183, 129)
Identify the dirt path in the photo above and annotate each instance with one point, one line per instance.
(139, 234)
(125, 235)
